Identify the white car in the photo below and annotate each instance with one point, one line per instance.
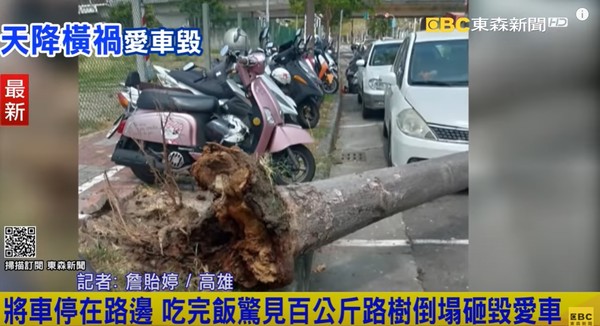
(380, 57)
(427, 98)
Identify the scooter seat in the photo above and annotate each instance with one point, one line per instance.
(216, 88)
(188, 77)
(195, 103)
(173, 101)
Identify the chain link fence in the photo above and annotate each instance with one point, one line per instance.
(100, 78)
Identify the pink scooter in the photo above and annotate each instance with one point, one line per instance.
(253, 121)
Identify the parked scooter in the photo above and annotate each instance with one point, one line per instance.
(327, 72)
(213, 83)
(304, 87)
(351, 71)
(187, 122)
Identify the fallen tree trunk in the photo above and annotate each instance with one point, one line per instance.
(333, 208)
(248, 227)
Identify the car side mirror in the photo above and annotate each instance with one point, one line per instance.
(361, 62)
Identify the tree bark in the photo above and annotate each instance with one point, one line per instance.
(244, 225)
(327, 210)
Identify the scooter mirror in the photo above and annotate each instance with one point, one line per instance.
(189, 66)
(224, 50)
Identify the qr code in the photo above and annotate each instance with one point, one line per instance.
(19, 242)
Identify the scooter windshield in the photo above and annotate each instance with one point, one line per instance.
(311, 72)
(237, 89)
(285, 102)
(330, 59)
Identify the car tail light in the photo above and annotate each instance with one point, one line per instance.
(123, 100)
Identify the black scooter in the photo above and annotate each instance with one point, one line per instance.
(351, 71)
(305, 88)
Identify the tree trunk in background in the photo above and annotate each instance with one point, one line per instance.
(310, 21)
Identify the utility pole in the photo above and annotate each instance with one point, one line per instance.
(351, 30)
(206, 32)
(339, 41)
(267, 22)
(310, 22)
(136, 13)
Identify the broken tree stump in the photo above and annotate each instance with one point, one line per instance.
(245, 225)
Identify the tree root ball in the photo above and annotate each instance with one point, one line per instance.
(236, 223)
(248, 208)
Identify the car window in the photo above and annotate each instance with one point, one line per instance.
(384, 54)
(400, 61)
(397, 59)
(367, 50)
(440, 63)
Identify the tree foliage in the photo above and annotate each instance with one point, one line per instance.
(330, 9)
(379, 27)
(216, 10)
(122, 13)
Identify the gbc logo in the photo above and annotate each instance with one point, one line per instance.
(446, 24)
(581, 316)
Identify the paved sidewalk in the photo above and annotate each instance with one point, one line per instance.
(94, 160)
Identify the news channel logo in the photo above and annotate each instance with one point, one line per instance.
(446, 24)
(581, 316)
(464, 24)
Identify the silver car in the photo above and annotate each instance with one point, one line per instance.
(379, 58)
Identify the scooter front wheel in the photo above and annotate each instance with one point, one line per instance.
(295, 164)
(331, 88)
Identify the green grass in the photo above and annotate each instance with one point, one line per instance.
(323, 162)
(322, 129)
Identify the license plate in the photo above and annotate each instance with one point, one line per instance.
(115, 126)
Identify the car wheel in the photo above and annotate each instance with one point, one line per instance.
(385, 132)
(366, 113)
(388, 149)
